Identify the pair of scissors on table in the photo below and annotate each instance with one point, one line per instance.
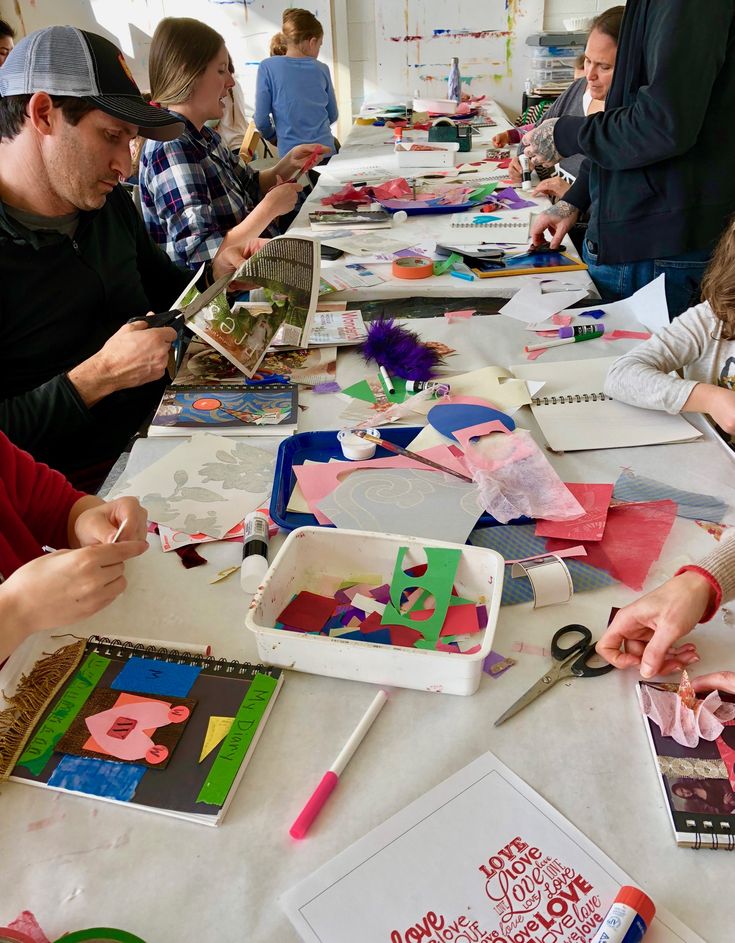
(569, 661)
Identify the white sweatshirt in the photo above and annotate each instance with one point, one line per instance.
(643, 377)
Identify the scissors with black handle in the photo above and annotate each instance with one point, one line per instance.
(177, 318)
(569, 661)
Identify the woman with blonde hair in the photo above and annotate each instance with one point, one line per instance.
(195, 193)
(294, 95)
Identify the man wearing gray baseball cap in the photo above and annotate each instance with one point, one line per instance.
(75, 260)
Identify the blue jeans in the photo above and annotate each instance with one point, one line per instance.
(683, 277)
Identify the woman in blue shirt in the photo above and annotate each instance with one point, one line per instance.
(294, 95)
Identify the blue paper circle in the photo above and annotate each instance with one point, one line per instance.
(446, 418)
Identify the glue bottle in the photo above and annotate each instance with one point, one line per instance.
(254, 551)
(627, 920)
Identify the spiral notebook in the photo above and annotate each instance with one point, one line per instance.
(158, 729)
(574, 413)
(698, 783)
(508, 229)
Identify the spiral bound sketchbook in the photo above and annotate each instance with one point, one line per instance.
(574, 413)
(698, 783)
(158, 729)
(508, 229)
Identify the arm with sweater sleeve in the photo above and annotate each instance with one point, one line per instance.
(666, 118)
(48, 414)
(560, 106)
(332, 110)
(264, 104)
(642, 377)
(42, 497)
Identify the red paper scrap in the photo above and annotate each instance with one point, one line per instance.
(633, 540)
(595, 499)
(630, 335)
(308, 611)
(371, 623)
(27, 924)
(403, 635)
(460, 620)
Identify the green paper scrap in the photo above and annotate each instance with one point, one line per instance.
(441, 267)
(361, 391)
(86, 678)
(438, 581)
(399, 385)
(237, 742)
(482, 192)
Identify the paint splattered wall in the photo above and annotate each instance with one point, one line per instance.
(415, 41)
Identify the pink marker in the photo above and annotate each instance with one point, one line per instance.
(330, 779)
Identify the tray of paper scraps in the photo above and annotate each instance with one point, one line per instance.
(324, 447)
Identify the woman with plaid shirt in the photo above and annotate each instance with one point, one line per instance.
(195, 193)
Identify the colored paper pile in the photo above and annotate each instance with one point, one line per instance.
(420, 608)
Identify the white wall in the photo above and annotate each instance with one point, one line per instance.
(555, 11)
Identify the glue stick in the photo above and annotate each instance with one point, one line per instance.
(525, 172)
(254, 551)
(627, 920)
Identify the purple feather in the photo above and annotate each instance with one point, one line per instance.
(399, 350)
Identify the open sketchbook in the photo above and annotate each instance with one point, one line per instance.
(481, 857)
(157, 729)
(698, 783)
(575, 414)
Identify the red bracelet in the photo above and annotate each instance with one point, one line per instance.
(713, 605)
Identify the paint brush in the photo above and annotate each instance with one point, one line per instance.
(399, 450)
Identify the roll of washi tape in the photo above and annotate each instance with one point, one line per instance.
(355, 448)
(412, 266)
(100, 935)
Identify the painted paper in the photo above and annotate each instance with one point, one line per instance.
(206, 484)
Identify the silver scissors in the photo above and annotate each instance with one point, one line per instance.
(569, 661)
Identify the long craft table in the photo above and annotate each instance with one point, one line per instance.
(372, 147)
(78, 862)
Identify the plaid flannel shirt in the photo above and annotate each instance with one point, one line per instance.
(193, 191)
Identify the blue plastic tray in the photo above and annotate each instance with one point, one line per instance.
(320, 447)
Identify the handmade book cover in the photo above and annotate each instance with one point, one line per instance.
(237, 410)
(698, 782)
(158, 729)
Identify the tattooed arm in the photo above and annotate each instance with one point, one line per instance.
(539, 145)
(558, 219)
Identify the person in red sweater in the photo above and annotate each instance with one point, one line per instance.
(39, 507)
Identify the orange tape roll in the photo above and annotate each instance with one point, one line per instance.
(412, 267)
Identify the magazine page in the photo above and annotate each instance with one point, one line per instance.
(287, 271)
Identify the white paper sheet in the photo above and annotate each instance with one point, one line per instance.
(480, 854)
(532, 305)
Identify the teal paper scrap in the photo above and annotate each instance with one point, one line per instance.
(514, 542)
(696, 507)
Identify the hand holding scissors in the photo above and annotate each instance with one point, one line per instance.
(569, 661)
